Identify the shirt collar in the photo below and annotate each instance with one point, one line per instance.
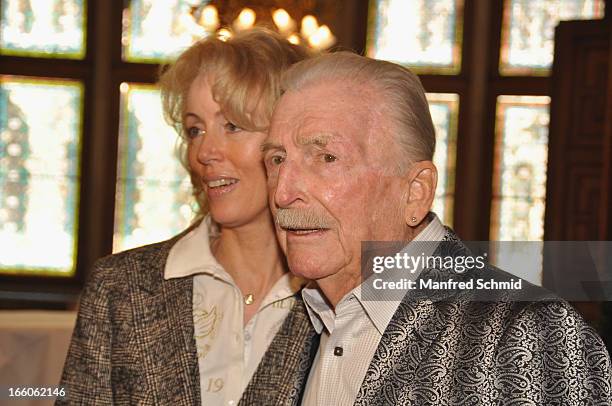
(192, 255)
(319, 311)
(379, 312)
(287, 286)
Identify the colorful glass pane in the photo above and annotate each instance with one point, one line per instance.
(519, 183)
(423, 34)
(40, 144)
(528, 31)
(157, 30)
(47, 28)
(153, 199)
(519, 176)
(444, 108)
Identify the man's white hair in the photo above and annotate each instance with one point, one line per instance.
(400, 91)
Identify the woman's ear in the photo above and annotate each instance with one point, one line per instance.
(421, 180)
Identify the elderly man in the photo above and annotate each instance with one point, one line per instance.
(349, 159)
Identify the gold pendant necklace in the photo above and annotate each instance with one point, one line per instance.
(249, 299)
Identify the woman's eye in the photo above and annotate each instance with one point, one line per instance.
(193, 132)
(329, 158)
(231, 127)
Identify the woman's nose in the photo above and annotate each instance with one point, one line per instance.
(210, 148)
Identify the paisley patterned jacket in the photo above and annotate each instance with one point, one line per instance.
(448, 349)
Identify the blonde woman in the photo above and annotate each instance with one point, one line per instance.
(186, 321)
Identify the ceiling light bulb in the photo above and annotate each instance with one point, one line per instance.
(322, 38)
(209, 18)
(245, 19)
(294, 39)
(282, 20)
(309, 26)
(224, 34)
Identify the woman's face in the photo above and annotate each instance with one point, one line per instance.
(225, 159)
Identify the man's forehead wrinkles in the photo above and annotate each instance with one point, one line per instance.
(269, 145)
(280, 125)
(314, 138)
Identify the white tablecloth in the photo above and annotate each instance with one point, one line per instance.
(33, 347)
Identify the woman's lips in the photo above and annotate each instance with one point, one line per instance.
(220, 187)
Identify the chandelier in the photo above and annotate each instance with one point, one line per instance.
(295, 20)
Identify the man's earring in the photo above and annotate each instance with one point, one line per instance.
(413, 219)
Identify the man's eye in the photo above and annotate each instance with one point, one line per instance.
(276, 160)
(193, 132)
(231, 127)
(329, 158)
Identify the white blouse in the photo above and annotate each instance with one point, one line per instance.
(228, 351)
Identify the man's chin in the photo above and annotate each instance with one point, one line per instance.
(309, 269)
(312, 260)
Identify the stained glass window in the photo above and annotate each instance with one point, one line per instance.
(519, 184)
(157, 30)
(153, 199)
(519, 173)
(444, 108)
(528, 31)
(40, 144)
(47, 28)
(423, 34)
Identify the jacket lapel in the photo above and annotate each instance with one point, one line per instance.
(281, 376)
(164, 331)
(407, 339)
(410, 337)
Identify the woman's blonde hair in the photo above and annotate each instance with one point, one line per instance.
(245, 71)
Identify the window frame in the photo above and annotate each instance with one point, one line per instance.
(101, 72)
(478, 83)
(15, 289)
(478, 88)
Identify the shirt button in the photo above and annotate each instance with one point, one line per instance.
(338, 351)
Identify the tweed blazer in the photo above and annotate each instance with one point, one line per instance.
(448, 349)
(134, 337)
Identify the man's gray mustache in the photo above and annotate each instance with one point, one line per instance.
(300, 219)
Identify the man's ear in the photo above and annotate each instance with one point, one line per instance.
(421, 179)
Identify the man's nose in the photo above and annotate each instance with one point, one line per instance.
(290, 185)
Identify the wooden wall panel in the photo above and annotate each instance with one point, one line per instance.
(579, 90)
(605, 227)
(578, 162)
